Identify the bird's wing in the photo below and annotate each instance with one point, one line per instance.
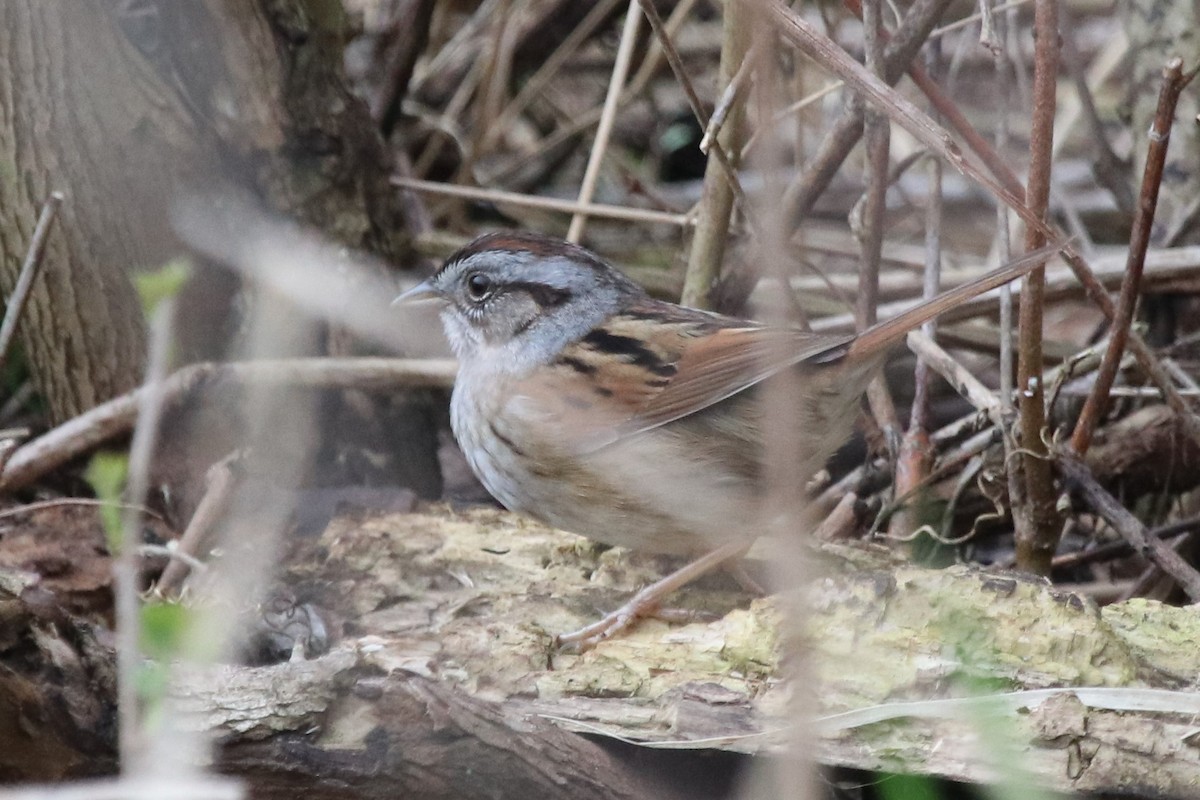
(661, 362)
(656, 363)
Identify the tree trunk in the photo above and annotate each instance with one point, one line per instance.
(130, 106)
(76, 118)
(127, 106)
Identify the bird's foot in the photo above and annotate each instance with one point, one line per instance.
(648, 601)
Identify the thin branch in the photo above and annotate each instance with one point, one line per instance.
(1156, 157)
(620, 71)
(1121, 548)
(29, 272)
(1037, 521)
(546, 71)
(732, 95)
(874, 201)
(1005, 185)
(959, 24)
(490, 99)
(841, 138)
(116, 417)
(987, 29)
(447, 126)
(1110, 171)
(804, 102)
(1079, 478)
(689, 91)
(386, 107)
(126, 569)
(442, 63)
(547, 203)
(218, 490)
(958, 376)
(870, 230)
(583, 122)
(716, 202)
(931, 286)
(1083, 272)
(1013, 476)
(915, 462)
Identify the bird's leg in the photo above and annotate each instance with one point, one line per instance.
(648, 599)
(736, 569)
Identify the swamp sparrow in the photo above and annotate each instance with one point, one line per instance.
(585, 403)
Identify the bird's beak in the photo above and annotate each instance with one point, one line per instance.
(422, 292)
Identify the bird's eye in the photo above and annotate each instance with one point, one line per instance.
(479, 286)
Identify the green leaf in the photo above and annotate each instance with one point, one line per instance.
(107, 473)
(907, 787)
(676, 137)
(162, 284)
(165, 627)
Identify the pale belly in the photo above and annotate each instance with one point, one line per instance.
(644, 492)
(682, 488)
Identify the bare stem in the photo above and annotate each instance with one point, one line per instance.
(116, 417)
(1013, 475)
(547, 203)
(546, 71)
(689, 91)
(1038, 528)
(716, 202)
(915, 460)
(29, 272)
(1079, 478)
(126, 568)
(611, 101)
(1156, 157)
(878, 139)
(840, 139)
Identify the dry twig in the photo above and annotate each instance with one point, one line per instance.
(1079, 478)
(1037, 521)
(689, 91)
(611, 101)
(116, 417)
(870, 227)
(1160, 135)
(29, 272)
(547, 203)
(1005, 186)
(196, 537)
(716, 203)
(840, 139)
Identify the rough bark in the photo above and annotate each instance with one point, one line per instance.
(443, 683)
(127, 106)
(57, 688)
(72, 120)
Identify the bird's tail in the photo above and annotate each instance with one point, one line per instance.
(883, 335)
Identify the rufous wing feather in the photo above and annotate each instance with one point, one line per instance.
(686, 361)
(728, 361)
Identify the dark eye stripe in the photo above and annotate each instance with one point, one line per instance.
(542, 294)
